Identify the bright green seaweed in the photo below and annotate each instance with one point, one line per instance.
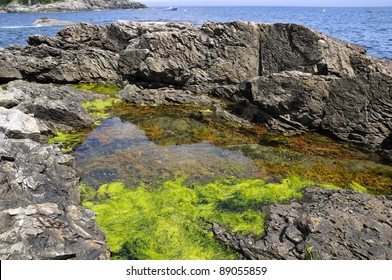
(70, 140)
(104, 88)
(99, 107)
(171, 222)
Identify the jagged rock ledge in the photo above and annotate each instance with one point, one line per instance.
(325, 225)
(73, 6)
(40, 212)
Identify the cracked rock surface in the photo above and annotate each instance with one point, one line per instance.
(324, 224)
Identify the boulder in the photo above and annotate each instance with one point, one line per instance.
(324, 224)
(41, 109)
(41, 216)
(16, 124)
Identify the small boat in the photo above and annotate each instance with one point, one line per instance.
(171, 9)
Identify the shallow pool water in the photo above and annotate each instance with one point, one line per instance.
(159, 176)
(120, 151)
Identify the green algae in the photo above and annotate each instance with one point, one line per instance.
(100, 108)
(69, 140)
(172, 221)
(107, 89)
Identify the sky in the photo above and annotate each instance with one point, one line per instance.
(307, 3)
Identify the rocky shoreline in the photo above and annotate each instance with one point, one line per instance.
(287, 77)
(41, 216)
(73, 6)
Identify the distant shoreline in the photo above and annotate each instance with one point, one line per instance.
(73, 6)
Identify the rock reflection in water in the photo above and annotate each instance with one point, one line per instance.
(120, 151)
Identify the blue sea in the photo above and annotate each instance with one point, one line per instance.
(368, 27)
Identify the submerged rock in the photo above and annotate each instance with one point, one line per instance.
(163, 96)
(324, 224)
(50, 22)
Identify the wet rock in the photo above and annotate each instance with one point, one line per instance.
(41, 216)
(51, 22)
(324, 224)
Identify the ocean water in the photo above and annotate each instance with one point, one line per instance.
(368, 27)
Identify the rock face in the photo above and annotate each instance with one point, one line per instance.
(295, 78)
(325, 224)
(356, 109)
(40, 212)
(73, 6)
(41, 216)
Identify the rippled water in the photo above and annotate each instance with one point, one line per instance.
(369, 27)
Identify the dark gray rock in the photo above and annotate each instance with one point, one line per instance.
(325, 224)
(44, 63)
(163, 96)
(355, 109)
(41, 216)
(8, 71)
